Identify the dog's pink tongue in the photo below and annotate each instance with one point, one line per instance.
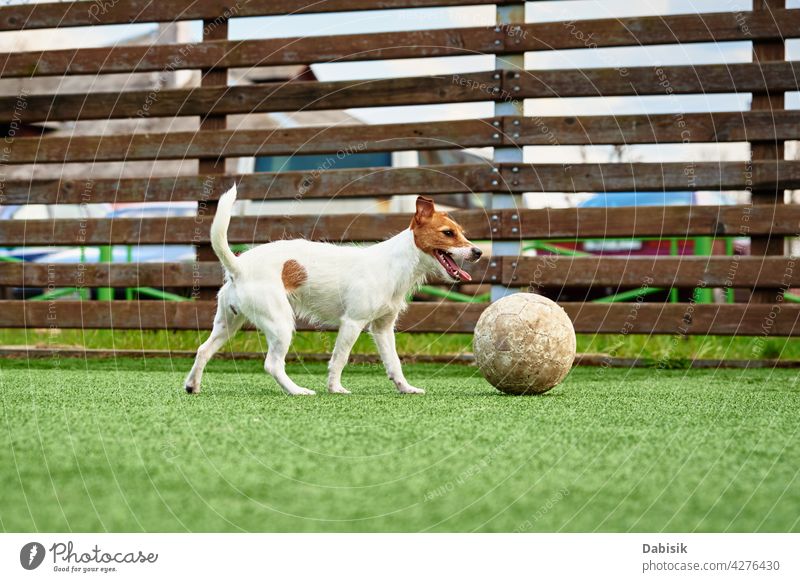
(461, 273)
(451, 265)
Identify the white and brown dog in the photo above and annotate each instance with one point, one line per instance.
(354, 287)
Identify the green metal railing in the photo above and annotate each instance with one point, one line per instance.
(55, 293)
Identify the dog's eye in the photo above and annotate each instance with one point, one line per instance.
(449, 233)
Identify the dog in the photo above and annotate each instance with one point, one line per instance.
(355, 287)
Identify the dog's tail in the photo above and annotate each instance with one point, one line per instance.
(219, 231)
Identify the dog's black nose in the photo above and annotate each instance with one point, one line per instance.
(476, 253)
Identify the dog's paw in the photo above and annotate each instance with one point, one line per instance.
(302, 392)
(338, 389)
(410, 390)
(192, 389)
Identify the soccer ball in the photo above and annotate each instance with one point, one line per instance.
(524, 344)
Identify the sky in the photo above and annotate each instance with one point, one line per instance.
(542, 11)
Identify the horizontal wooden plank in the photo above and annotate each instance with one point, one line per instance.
(247, 229)
(159, 275)
(667, 29)
(651, 318)
(656, 271)
(659, 221)
(660, 128)
(473, 87)
(198, 315)
(261, 186)
(653, 177)
(768, 77)
(679, 221)
(81, 13)
(685, 28)
(686, 319)
(341, 141)
(249, 53)
(467, 358)
(23, 274)
(536, 272)
(293, 96)
(431, 180)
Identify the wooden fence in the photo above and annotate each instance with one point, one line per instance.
(766, 275)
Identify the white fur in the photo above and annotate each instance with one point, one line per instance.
(351, 286)
(219, 230)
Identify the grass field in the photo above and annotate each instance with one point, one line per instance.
(116, 445)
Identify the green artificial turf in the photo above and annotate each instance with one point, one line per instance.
(116, 445)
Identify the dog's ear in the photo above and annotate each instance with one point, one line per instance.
(425, 210)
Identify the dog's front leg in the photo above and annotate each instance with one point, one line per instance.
(349, 330)
(383, 334)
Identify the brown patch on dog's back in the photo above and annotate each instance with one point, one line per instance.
(293, 275)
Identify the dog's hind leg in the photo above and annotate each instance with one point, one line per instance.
(349, 330)
(277, 323)
(226, 323)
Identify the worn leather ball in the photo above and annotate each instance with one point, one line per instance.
(524, 344)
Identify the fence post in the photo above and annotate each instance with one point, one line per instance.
(216, 29)
(771, 150)
(508, 16)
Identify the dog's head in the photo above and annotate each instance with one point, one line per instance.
(441, 239)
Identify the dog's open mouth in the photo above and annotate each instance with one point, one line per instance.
(449, 264)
